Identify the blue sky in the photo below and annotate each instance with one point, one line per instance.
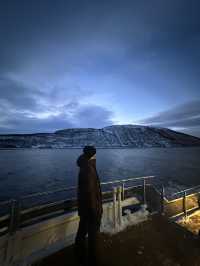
(96, 63)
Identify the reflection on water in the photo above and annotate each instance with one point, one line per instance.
(28, 171)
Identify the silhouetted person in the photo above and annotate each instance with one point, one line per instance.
(89, 207)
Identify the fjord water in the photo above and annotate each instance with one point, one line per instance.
(26, 171)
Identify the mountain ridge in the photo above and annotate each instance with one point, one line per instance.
(115, 136)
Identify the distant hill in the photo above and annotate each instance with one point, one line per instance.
(131, 136)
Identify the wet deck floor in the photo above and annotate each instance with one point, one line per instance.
(153, 243)
(191, 223)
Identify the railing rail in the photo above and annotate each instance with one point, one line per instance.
(182, 202)
(72, 188)
(18, 214)
(45, 193)
(6, 202)
(186, 190)
(123, 181)
(126, 180)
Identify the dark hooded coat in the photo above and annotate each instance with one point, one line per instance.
(89, 189)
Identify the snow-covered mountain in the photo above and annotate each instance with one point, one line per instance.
(131, 136)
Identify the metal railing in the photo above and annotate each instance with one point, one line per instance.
(122, 182)
(116, 181)
(181, 201)
(45, 193)
(185, 191)
(18, 216)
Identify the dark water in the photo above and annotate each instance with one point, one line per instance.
(28, 171)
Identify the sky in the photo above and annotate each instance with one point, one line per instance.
(66, 64)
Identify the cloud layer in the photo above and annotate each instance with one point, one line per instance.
(91, 63)
(185, 117)
(27, 110)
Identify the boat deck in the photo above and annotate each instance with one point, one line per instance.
(151, 243)
(191, 223)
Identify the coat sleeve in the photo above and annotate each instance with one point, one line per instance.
(91, 194)
(94, 198)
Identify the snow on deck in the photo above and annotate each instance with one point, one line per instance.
(127, 220)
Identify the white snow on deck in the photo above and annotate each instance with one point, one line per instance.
(127, 220)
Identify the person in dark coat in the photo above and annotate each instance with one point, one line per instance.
(89, 207)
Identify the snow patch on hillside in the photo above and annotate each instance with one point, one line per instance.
(116, 136)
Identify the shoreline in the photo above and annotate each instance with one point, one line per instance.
(114, 147)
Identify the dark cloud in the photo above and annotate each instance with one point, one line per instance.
(54, 54)
(15, 95)
(186, 112)
(93, 116)
(84, 116)
(27, 110)
(27, 28)
(195, 131)
(187, 122)
(185, 116)
(20, 123)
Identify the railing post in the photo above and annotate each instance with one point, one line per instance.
(14, 216)
(144, 191)
(163, 201)
(123, 191)
(184, 204)
(119, 205)
(114, 206)
(198, 199)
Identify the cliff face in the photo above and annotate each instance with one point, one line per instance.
(132, 136)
